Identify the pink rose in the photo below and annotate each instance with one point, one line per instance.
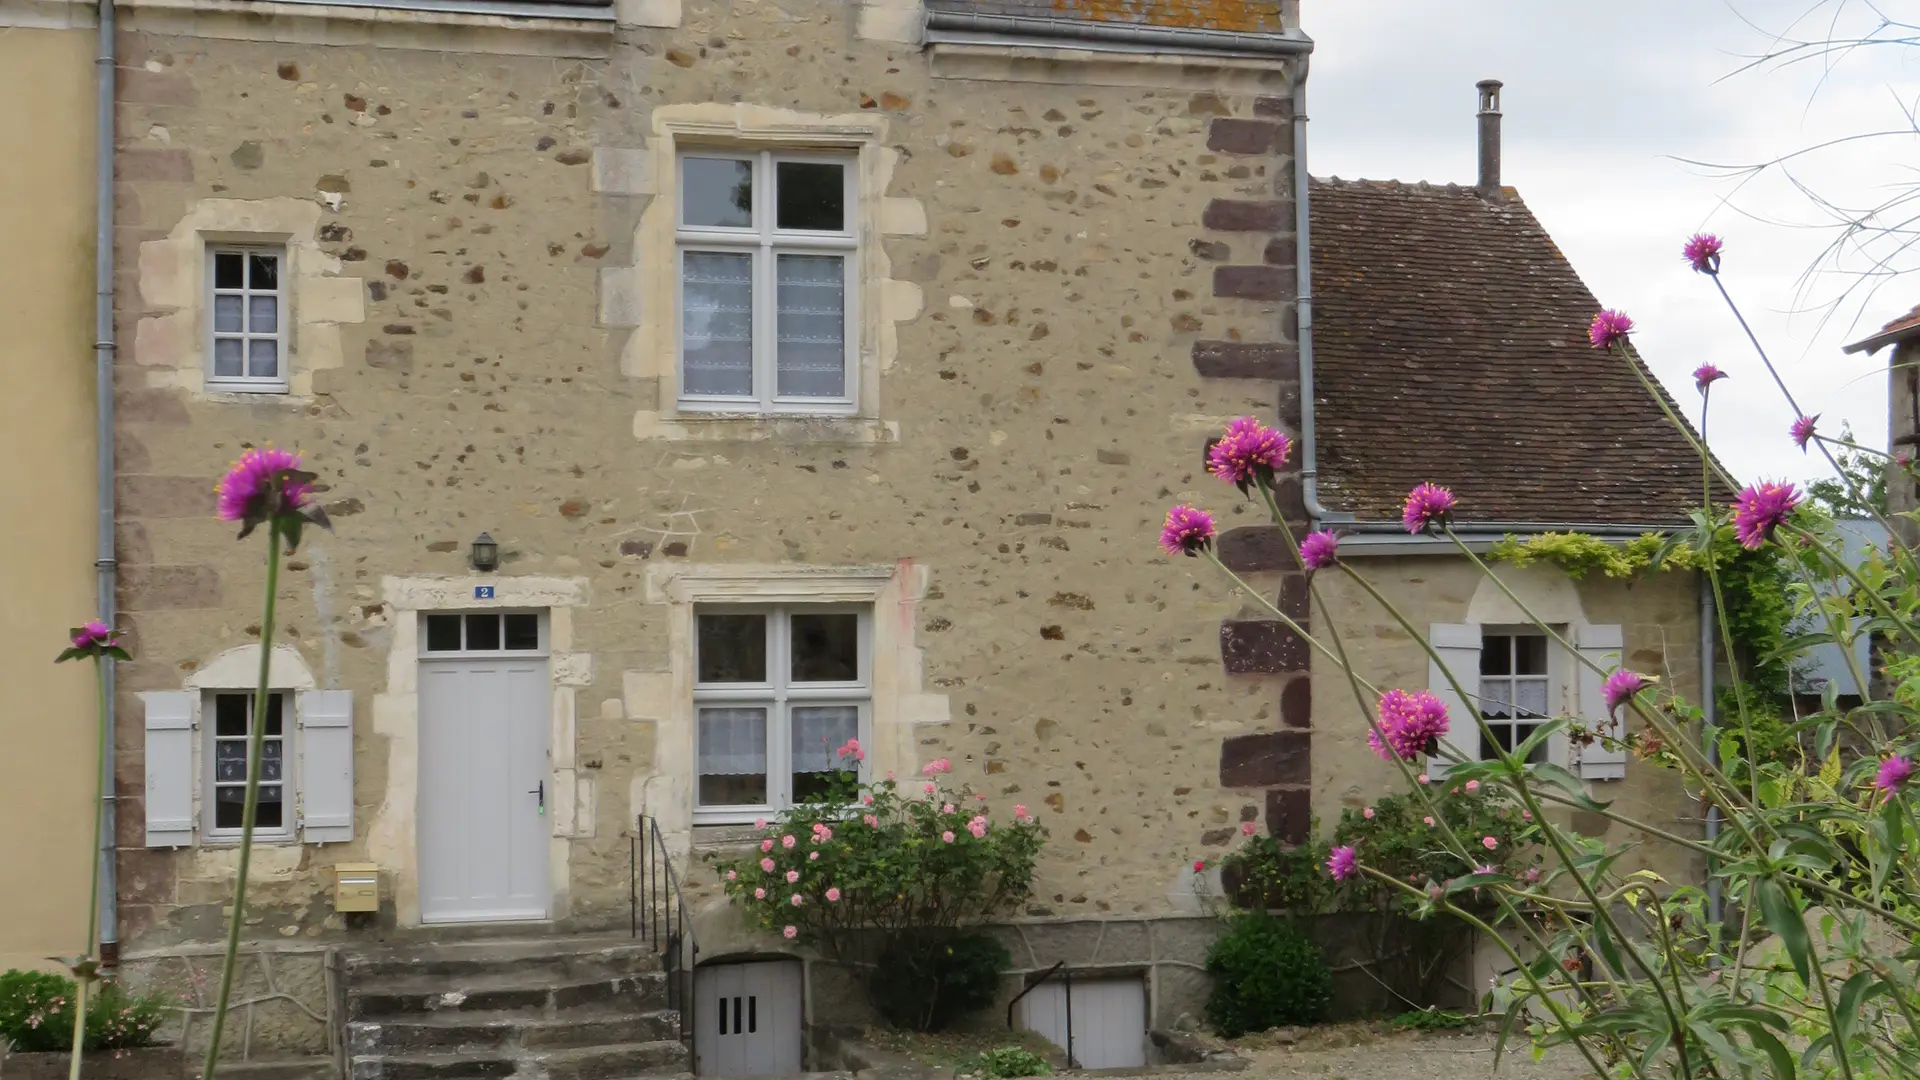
(1489, 843)
(793, 876)
(872, 822)
(767, 865)
(867, 799)
(813, 856)
(790, 933)
(1526, 815)
(759, 894)
(1248, 828)
(797, 900)
(1429, 820)
(1423, 778)
(759, 823)
(933, 768)
(947, 837)
(787, 841)
(928, 789)
(731, 876)
(1020, 811)
(833, 896)
(1473, 786)
(947, 809)
(1367, 813)
(766, 845)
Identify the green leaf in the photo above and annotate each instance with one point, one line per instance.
(1784, 920)
(1541, 733)
(1775, 1050)
(1556, 777)
(1852, 996)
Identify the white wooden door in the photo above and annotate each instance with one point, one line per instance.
(483, 829)
(747, 1019)
(1109, 1019)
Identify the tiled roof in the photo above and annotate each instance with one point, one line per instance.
(1901, 329)
(1450, 345)
(1243, 16)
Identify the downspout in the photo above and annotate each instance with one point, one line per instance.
(1715, 903)
(104, 565)
(1303, 303)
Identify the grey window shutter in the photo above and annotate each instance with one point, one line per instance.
(169, 790)
(1601, 646)
(1458, 646)
(326, 766)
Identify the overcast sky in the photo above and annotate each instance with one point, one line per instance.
(1599, 102)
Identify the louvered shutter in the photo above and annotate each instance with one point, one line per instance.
(1601, 646)
(169, 790)
(1458, 645)
(326, 766)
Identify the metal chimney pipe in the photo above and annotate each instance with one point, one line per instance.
(1489, 137)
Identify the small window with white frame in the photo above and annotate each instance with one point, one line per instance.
(1516, 689)
(767, 246)
(778, 691)
(246, 319)
(226, 768)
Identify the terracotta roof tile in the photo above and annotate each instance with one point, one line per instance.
(1450, 346)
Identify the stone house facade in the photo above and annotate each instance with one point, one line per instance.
(819, 368)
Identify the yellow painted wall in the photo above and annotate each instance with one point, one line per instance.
(46, 488)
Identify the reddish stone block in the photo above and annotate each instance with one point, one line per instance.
(169, 588)
(1268, 759)
(170, 166)
(138, 86)
(1290, 815)
(151, 407)
(1281, 251)
(1253, 548)
(1254, 282)
(1240, 215)
(1241, 136)
(1245, 359)
(163, 496)
(1273, 108)
(1261, 647)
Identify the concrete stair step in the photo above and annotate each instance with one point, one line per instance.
(478, 1065)
(617, 1061)
(569, 959)
(306, 1068)
(525, 992)
(459, 1032)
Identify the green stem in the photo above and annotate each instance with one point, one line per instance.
(93, 848)
(255, 739)
(79, 1027)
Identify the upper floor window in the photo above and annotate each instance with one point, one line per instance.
(777, 691)
(1516, 689)
(766, 245)
(247, 305)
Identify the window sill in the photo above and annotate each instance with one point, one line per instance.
(233, 841)
(764, 427)
(724, 837)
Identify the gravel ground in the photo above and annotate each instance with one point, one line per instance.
(1357, 1053)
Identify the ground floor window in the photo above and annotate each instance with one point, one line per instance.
(233, 717)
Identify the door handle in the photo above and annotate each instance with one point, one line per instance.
(540, 791)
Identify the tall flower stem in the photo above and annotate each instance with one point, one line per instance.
(256, 738)
(93, 890)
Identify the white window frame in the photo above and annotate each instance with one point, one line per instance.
(765, 243)
(778, 694)
(247, 384)
(210, 784)
(1555, 678)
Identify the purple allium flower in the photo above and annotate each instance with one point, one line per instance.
(1802, 431)
(258, 473)
(1706, 375)
(94, 634)
(1343, 863)
(1485, 868)
(1608, 327)
(1760, 508)
(1319, 550)
(1427, 504)
(1408, 724)
(1248, 452)
(1620, 688)
(1893, 774)
(1703, 252)
(1187, 531)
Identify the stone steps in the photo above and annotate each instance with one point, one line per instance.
(546, 1009)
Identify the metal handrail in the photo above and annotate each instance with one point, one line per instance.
(659, 915)
(1066, 978)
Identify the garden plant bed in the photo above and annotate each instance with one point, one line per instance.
(144, 1063)
(1370, 1050)
(956, 1051)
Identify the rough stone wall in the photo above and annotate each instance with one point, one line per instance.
(48, 745)
(1659, 619)
(1903, 433)
(1103, 258)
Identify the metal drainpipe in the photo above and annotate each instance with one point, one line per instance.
(1303, 303)
(1715, 902)
(105, 567)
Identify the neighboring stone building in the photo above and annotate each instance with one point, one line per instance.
(1903, 409)
(48, 735)
(820, 369)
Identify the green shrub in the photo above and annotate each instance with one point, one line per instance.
(1266, 973)
(1427, 1020)
(1011, 1061)
(36, 1014)
(926, 981)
